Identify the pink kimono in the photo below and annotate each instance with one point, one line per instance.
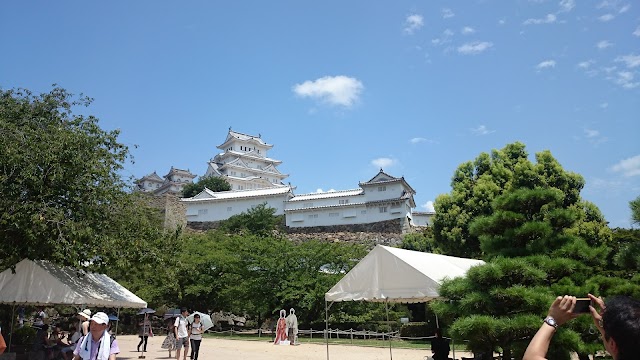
(281, 328)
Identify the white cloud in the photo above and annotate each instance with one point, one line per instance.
(549, 19)
(630, 60)
(319, 190)
(413, 23)
(428, 206)
(628, 167)
(417, 140)
(604, 44)
(444, 39)
(625, 79)
(546, 64)
(383, 162)
(567, 5)
(474, 48)
(590, 133)
(502, 21)
(447, 13)
(586, 64)
(482, 130)
(606, 17)
(604, 105)
(467, 30)
(334, 90)
(625, 8)
(637, 32)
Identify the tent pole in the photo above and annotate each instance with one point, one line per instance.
(117, 321)
(386, 305)
(437, 323)
(13, 316)
(326, 326)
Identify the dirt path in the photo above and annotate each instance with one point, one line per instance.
(222, 349)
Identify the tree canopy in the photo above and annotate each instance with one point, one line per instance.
(61, 196)
(635, 211)
(540, 240)
(213, 183)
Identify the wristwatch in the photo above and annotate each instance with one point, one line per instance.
(551, 322)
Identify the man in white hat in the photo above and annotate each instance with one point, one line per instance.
(98, 345)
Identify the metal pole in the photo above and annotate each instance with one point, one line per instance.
(13, 316)
(117, 321)
(386, 305)
(326, 326)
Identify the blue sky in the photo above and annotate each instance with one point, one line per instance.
(343, 88)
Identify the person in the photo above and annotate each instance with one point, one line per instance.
(41, 346)
(75, 336)
(21, 317)
(281, 328)
(83, 325)
(144, 331)
(195, 334)
(617, 320)
(440, 346)
(292, 326)
(182, 335)
(169, 342)
(40, 317)
(98, 344)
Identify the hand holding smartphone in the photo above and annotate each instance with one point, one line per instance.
(582, 306)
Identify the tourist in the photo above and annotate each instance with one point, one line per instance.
(182, 335)
(195, 334)
(73, 340)
(617, 320)
(98, 344)
(83, 325)
(144, 331)
(169, 342)
(440, 346)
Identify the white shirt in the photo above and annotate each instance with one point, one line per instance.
(181, 325)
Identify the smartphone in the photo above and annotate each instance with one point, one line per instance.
(582, 306)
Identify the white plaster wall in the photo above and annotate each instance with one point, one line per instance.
(218, 210)
(321, 217)
(324, 202)
(393, 190)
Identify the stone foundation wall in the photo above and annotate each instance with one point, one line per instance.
(388, 232)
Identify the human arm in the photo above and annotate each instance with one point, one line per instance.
(561, 311)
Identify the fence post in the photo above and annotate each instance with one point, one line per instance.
(351, 331)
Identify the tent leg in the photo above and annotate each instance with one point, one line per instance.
(13, 316)
(118, 315)
(437, 323)
(326, 326)
(386, 304)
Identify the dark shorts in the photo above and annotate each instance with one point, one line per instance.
(180, 342)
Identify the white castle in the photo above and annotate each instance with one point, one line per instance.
(255, 179)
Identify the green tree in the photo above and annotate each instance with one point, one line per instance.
(213, 183)
(259, 220)
(541, 239)
(420, 241)
(473, 187)
(61, 195)
(635, 211)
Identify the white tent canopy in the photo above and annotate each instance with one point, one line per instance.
(41, 282)
(389, 274)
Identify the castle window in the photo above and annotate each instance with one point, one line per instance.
(313, 216)
(383, 209)
(334, 214)
(203, 211)
(343, 201)
(229, 208)
(382, 188)
(363, 212)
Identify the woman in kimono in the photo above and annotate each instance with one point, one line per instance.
(281, 328)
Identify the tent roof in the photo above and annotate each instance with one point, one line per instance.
(397, 275)
(41, 282)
